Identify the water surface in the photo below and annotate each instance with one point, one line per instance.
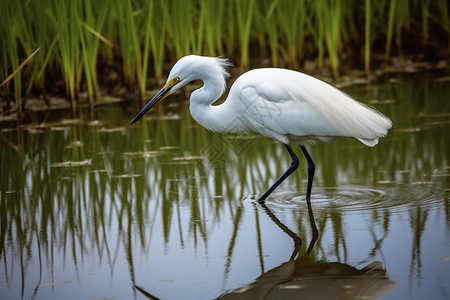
(91, 208)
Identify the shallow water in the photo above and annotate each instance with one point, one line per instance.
(91, 207)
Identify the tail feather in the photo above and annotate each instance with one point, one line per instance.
(369, 143)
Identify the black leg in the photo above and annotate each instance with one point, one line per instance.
(297, 240)
(311, 170)
(292, 168)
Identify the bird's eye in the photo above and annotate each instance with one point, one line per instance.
(172, 82)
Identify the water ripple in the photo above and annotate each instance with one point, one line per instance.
(362, 199)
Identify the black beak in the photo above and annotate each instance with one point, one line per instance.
(158, 97)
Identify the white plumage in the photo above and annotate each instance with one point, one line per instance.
(285, 104)
(281, 104)
(278, 103)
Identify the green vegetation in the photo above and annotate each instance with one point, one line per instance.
(79, 39)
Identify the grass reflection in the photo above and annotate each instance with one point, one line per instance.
(124, 185)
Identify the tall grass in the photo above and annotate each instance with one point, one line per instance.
(78, 38)
(10, 53)
(68, 34)
(130, 44)
(244, 16)
(90, 38)
(367, 37)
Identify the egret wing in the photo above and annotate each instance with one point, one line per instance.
(282, 103)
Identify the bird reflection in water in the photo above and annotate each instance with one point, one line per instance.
(305, 277)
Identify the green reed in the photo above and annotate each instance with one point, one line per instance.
(78, 39)
(10, 52)
(128, 40)
(159, 16)
(68, 34)
(90, 41)
(272, 31)
(367, 41)
(244, 14)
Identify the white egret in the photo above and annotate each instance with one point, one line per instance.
(281, 104)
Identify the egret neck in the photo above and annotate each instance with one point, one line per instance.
(219, 118)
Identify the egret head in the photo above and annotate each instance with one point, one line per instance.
(187, 69)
